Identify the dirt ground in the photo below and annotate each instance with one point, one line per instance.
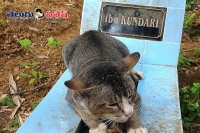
(12, 55)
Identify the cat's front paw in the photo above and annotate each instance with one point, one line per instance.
(101, 129)
(139, 74)
(138, 130)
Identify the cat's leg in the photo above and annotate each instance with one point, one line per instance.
(92, 122)
(139, 74)
(133, 124)
(136, 75)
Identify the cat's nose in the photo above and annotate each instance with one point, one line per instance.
(128, 114)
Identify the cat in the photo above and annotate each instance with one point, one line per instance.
(103, 85)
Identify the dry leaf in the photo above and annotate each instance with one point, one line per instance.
(42, 57)
(20, 120)
(35, 29)
(3, 110)
(16, 69)
(15, 98)
(27, 114)
(4, 107)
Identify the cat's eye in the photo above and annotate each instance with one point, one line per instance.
(113, 105)
(130, 96)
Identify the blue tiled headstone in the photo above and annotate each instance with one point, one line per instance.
(160, 109)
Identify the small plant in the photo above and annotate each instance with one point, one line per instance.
(7, 101)
(34, 76)
(194, 33)
(189, 100)
(196, 51)
(73, 6)
(52, 43)
(183, 61)
(190, 4)
(14, 125)
(25, 43)
(188, 21)
(29, 64)
(35, 105)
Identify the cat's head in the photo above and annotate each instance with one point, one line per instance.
(107, 89)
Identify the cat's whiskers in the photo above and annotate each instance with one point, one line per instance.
(104, 119)
(110, 123)
(111, 126)
(107, 122)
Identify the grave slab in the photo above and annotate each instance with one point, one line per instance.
(160, 108)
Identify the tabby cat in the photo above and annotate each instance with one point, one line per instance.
(103, 85)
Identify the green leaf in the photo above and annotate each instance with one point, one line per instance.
(24, 64)
(32, 80)
(50, 40)
(192, 115)
(7, 101)
(34, 73)
(26, 43)
(8, 129)
(23, 74)
(10, 103)
(3, 101)
(186, 124)
(194, 33)
(73, 6)
(197, 85)
(35, 105)
(1, 20)
(35, 63)
(41, 75)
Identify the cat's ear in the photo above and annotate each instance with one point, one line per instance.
(75, 84)
(128, 62)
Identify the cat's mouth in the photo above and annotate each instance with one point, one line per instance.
(122, 120)
(108, 121)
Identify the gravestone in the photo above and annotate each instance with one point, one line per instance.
(151, 27)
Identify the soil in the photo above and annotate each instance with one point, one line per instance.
(12, 54)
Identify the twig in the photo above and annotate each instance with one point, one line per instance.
(10, 52)
(36, 88)
(187, 50)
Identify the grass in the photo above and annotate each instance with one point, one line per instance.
(183, 61)
(190, 4)
(7, 101)
(187, 24)
(14, 125)
(189, 100)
